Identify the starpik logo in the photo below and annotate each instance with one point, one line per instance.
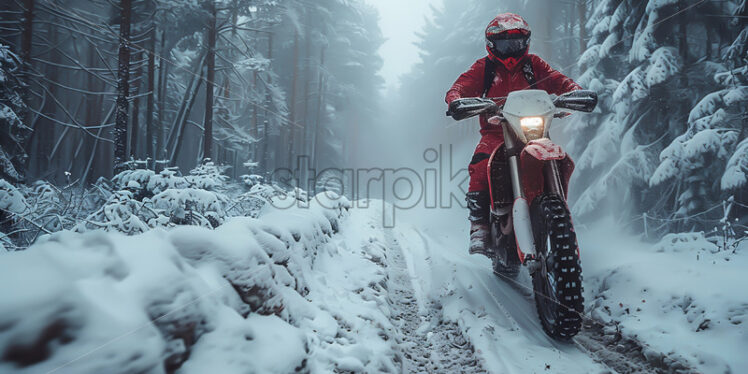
(438, 185)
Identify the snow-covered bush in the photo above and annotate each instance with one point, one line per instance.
(685, 242)
(136, 180)
(53, 208)
(122, 213)
(252, 179)
(146, 183)
(14, 132)
(144, 199)
(11, 199)
(255, 199)
(191, 206)
(133, 202)
(12, 206)
(49, 208)
(208, 176)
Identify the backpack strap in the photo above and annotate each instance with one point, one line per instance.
(489, 73)
(529, 73)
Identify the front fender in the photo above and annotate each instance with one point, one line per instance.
(544, 150)
(535, 154)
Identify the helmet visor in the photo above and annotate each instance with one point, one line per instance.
(504, 46)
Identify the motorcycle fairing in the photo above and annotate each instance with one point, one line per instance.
(532, 160)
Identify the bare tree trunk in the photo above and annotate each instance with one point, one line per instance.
(135, 122)
(182, 124)
(123, 82)
(266, 155)
(45, 128)
(187, 99)
(708, 45)
(211, 66)
(255, 124)
(151, 87)
(318, 124)
(683, 40)
(93, 118)
(88, 166)
(27, 25)
(307, 80)
(163, 75)
(292, 103)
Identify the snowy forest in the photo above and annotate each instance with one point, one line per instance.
(174, 191)
(105, 87)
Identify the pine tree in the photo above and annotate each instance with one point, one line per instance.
(672, 110)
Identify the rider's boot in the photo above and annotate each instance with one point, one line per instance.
(479, 235)
(478, 202)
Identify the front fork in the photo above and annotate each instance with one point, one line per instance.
(521, 217)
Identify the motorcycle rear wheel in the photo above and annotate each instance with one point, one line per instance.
(558, 280)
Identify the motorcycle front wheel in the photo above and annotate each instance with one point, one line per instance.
(557, 282)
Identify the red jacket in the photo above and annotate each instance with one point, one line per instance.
(470, 83)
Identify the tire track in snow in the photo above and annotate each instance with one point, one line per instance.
(624, 355)
(497, 317)
(452, 314)
(513, 311)
(427, 343)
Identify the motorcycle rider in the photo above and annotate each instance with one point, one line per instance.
(508, 67)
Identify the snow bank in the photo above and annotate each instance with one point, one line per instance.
(683, 298)
(268, 295)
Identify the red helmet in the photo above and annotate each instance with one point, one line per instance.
(507, 39)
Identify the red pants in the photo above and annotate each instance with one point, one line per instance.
(478, 168)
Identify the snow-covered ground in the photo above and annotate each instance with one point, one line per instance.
(682, 302)
(273, 295)
(328, 289)
(497, 317)
(684, 299)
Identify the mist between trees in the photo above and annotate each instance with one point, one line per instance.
(94, 87)
(97, 87)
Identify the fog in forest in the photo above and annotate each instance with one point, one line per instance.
(284, 175)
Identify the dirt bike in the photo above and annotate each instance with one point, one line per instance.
(528, 183)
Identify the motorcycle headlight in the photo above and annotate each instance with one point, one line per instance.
(532, 127)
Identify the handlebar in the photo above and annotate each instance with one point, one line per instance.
(579, 100)
(470, 107)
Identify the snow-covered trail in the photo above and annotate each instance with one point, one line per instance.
(428, 343)
(497, 318)
(328, 289)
